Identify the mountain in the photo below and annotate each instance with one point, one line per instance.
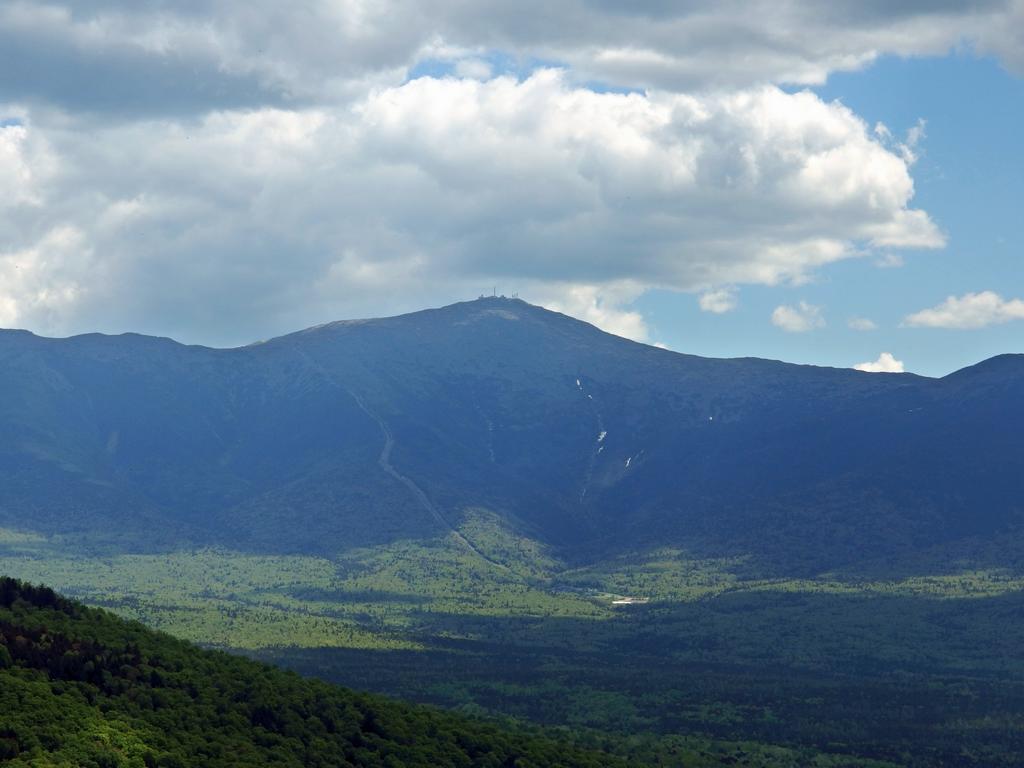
(359, 433)
(502, 510)
(78, 686)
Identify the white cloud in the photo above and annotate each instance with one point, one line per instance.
(25, 165)
(474, 69)
(718, 301)
(861, 324)
(889, 261)
(972, 310)
(885, 363)
(915, 135)
(44, 279)
(318, 212)
(799, 319)
(907, 149)
(602, 307)
(221, 160)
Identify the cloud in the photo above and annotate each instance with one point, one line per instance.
(120, 60)
(908, 148)
(1003, 35)
(299, 215)
(25, 165)
(972, 310)
(861, 324)
(885, 363)
(718, 301)
(602, 307)
(799, 319)
(915, 135)
(220, 161)
(474, 69)
(44, 279)
(127, 57)
(889, 261)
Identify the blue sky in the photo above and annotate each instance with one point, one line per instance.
(969, 177)
(708, 176)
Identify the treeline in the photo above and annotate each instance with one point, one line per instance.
(80, 687)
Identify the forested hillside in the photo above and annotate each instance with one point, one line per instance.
(364, 433)
(81, 687)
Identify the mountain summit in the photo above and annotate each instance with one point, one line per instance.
(364, 432)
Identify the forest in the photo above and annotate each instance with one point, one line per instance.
(879, 667)
(81, 687)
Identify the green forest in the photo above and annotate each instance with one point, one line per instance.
(721, 665)
(81, 687)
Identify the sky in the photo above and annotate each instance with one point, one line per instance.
(833, 184)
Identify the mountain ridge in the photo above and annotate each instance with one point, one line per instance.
(1009, 357)
(356, 433)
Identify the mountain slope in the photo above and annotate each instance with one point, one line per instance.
(366, 432)
(81, 687)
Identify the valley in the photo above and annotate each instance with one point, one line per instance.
(716, 663)
(505, 512)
